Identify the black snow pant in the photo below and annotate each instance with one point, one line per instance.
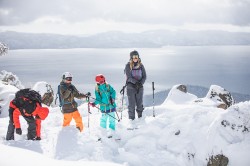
(135, 101)
(31, 127)
(11, 127)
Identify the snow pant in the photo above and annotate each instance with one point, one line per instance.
(10, 131)
(38, 127)
(31, 129)
(105, 117)
(76, 116)
(135, 102)
(11, 127)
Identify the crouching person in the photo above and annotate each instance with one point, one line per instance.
(28, 104)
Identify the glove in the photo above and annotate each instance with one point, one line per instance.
(19, 131)
(138, 85)
(112, 101)
(88, 94)
(38, 138)
(92, 104)
(71, 88)
(37, 117)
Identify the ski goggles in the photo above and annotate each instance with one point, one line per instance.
(68, 78)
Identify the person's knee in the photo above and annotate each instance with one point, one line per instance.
(112, 126)
(103, 125)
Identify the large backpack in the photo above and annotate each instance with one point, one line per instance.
(26, 99)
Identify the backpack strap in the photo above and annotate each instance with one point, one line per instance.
(58, 95)
(99, 92)
(61, 100)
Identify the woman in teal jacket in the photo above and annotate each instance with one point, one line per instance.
(105, 97)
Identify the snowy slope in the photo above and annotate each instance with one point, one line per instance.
(183, 133)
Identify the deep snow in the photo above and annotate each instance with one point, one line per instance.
(183, 133)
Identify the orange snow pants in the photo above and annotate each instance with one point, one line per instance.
(76, 116)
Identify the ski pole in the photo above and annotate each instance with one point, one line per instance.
(87, 98)
(153, 87)
(122, 92)
(107, 114)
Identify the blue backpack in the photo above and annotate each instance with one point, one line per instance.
(58, 95)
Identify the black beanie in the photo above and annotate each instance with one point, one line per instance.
(134, 53)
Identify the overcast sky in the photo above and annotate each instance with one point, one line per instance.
(88, 17)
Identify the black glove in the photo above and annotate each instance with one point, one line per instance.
(38, 138)
(71, 88)
(111, 100)
(88, 94)
(37, 117)
(19, 131)
(138, 85)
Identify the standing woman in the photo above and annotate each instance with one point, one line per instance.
(136, 77)
(105, 97)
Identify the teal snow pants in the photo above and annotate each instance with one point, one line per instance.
(105, 117)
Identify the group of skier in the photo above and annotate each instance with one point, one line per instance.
(33, 112)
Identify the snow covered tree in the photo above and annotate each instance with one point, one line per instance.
(11, 79)
(3, 49)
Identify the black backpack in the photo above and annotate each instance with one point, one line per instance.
(26, 99)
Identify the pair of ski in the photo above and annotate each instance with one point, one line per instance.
(109, 137)
(132, 128)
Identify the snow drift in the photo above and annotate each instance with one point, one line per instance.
(183, 133)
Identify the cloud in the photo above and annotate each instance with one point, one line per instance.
(125, 12)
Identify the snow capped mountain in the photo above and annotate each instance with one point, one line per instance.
(116, 39)
(183, 133)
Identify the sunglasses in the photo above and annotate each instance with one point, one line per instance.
(101, 82)
(68, 78)
(135, 57)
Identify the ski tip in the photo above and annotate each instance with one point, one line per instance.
(135, 128)
(177, 133)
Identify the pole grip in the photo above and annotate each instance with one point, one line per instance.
(153, 86)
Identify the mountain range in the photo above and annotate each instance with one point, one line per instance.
(117, 39)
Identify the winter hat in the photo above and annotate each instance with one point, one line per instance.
(100, 79)
(134, 53)
(66, 75)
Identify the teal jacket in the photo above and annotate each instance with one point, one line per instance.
(105, 97)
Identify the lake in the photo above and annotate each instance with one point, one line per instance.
(227, 66)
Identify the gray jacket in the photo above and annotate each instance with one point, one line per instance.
(131, 81)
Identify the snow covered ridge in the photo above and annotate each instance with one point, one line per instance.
(198, 91)
(216, 96)
(183, 133)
